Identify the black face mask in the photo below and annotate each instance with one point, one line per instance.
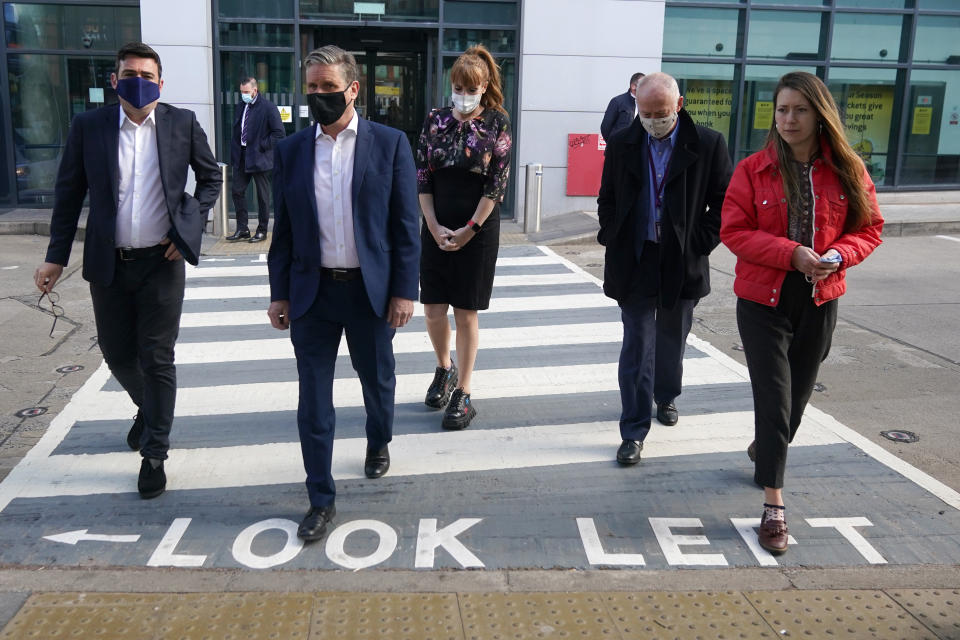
(326, 108)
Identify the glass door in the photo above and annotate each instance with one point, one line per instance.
(392, 90)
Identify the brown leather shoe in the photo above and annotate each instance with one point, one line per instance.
(773, 535)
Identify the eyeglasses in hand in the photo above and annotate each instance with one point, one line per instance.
(53, 297)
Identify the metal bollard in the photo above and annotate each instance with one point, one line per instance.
(531, 202)
(223, 206)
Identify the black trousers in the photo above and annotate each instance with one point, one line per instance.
(138, 319)
(784, 346)
(241, 179)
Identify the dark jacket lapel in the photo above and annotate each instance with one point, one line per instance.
(303, 172)
(361, 158)
(111, 140)
(685, 148)
(162, 116)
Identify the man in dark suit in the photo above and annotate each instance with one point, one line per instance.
(663, 183)
(256, 128)
(621, 111)
(132, 159)
(345, 257)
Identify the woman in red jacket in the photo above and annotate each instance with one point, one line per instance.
(797, 215)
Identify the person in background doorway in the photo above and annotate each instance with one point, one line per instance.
(622, 109)
(797, 215)
(256, 129)
(659, 208)
(463, 162)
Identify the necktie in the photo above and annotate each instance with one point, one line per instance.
(243, 125)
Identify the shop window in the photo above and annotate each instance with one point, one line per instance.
(275, 80)
(279, 9)
(794, 35)
(795, 3)
(476, 12)
(865, 98)
(256, 35)
(867, 37)
(701, 32)
(47, 26)
(383, 10)
(932, 151)
(873, 4)
(937, 40)
(496, 40)
(942, 5)
(707, 91)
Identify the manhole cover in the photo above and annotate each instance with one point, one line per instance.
(906, 437)
(31, 412)
(70, 368)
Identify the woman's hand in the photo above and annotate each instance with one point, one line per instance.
(461, 237)
(441, 235)
(808, 262)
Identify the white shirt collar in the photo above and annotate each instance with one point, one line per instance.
(350, 127)
(124, 118)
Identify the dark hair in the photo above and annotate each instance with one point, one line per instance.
(331, 54)
(635, 77)
(845, 161)
(139, 50)
(477, 66)
(248, 80)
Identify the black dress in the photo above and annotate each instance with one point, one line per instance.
(459, 163)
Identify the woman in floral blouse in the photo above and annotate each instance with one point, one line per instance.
(463, 161)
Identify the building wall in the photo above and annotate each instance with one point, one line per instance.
(572, 62)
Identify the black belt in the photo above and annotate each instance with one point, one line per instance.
(129, 253)
(343, 275)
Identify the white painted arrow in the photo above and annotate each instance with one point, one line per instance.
(218, 260)
(80, 535)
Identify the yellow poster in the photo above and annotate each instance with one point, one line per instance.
(921, 121)
(286, 113)
(709, 103)
(763, 115)
(868, 111)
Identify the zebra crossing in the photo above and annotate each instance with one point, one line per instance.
(532, 483)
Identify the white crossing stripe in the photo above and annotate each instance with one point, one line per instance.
(405, 342)
(497, 305)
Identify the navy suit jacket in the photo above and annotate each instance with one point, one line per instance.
(619, 115)
(91, 163)
(264, 128)
(386, 217)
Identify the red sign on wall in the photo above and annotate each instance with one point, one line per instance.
(584, 163)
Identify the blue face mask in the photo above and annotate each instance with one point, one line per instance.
(246, 97)
(138, 91)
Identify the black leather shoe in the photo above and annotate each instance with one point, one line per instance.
(314, 524)
(133, 436)
(377, 463)
(459, 412)
(667, 414)
(239, 235)
(629, 452)
(444, 382)
(259, 236)
(152, 481)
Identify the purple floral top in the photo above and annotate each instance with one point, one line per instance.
(481, 145)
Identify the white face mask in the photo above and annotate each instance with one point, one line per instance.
(466, 103)
(659, 127)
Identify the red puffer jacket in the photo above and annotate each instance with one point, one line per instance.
(754, 227)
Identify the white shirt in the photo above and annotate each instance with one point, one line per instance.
(142, 218)
(333, 186)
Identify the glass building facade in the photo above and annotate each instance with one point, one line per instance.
(893, 67)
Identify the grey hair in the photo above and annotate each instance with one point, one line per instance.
(331, 54)
(659, 82)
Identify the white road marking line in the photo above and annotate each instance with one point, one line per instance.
(261, 270)
(951, 238)
(405, 342)
(411, 455)
(497, 305)
(493, 383)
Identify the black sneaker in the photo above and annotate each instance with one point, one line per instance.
(444, 382)
(152, 481)
(460, 411)
(133, 436)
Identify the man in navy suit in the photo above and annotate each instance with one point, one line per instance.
(256, 128)
(344, 258)
(132, 159)
(622, 110)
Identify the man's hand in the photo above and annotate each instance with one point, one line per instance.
(399, 312)
(172, 253)
(47, 275)
(279, 314)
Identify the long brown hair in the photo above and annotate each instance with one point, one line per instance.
(845, 161)
(475, 67)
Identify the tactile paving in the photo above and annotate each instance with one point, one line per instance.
(113, 619)
(837, 614)
(515, 616)
(234, 616)
(937, 609)
(699, 615)
(386, 615)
